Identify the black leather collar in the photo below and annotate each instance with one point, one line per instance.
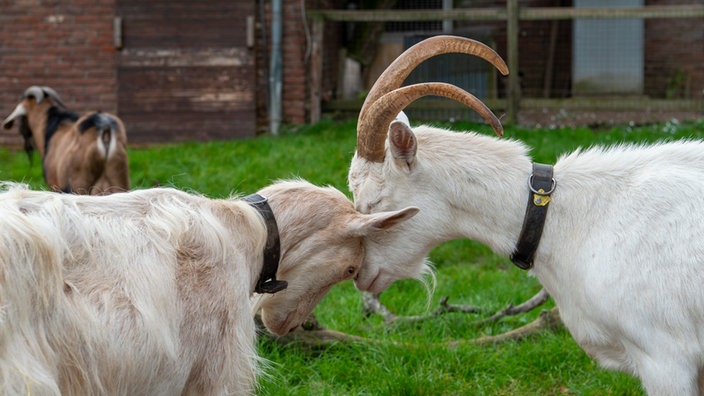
(541, 184)
(267, 282)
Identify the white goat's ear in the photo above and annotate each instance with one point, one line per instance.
(403, 143)
(370, 223)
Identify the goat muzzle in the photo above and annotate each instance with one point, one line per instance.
(19, 111)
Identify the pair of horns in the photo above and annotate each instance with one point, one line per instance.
(385, 100)
(38, 94)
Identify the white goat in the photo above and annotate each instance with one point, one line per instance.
(621, 250)
(148, 292)
(86, 155)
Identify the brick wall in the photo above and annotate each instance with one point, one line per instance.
(67, 45)
(674, 55)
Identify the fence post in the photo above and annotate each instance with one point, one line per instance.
(513, 96)
(316, 68)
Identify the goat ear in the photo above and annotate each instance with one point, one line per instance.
(370, 223)
(403, 143)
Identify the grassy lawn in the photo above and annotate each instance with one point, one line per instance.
(419, 361)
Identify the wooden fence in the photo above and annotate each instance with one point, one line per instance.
(512, 15)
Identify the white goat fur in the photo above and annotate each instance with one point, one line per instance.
(621, 252)
(148, 292)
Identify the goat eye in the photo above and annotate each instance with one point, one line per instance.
(372, 205)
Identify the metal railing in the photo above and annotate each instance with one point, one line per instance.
(512, 15)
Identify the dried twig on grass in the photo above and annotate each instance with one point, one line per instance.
(319, 338)
(548, 320)
(537, 300)
(372, 304)
(314, 337)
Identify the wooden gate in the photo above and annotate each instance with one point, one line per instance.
(186, 69)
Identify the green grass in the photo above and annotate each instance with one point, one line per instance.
(419, 362)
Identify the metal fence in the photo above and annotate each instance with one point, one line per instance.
(559, 58)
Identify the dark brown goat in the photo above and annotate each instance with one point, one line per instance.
(81, 155)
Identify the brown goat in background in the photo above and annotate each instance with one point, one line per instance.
(81, 155)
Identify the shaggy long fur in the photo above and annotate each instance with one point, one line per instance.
(148, 292)
(621, 251)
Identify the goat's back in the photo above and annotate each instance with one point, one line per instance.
(134, 293)
(88, 156)
(623, 257)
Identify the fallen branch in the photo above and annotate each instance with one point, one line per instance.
(537, 300)
(548, 320)
(312, 336)
(318, 338)
(372, 304)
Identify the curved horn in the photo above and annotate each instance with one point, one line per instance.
(399, 69)
(383, 111)
(54, 95)
(36, 92)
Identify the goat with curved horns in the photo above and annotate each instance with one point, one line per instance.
(620, 250)
(148, 292)
(85, 155)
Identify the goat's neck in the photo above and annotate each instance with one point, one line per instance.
(37, 124)
(290, 235)
(480, 190)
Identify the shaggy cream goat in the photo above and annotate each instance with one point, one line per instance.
(620, 251)
(148, 292)
(86, 155)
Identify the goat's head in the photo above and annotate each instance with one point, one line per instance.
(35, 101)
(32, 97)
(321, 245)
(384, 172)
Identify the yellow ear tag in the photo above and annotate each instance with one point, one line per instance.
(541, 200)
